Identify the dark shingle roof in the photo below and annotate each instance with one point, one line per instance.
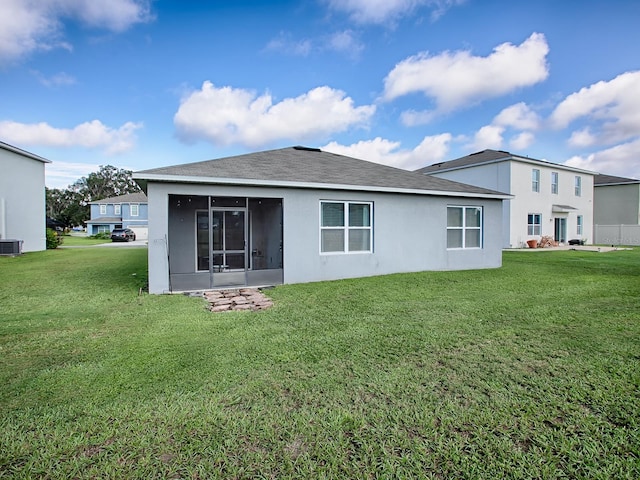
(138, 197)
(487, 156)
(307, 167)
(612, 180)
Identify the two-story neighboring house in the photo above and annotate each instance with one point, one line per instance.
(22, 200)
(548, 199)
(124, 211)
(616, 210)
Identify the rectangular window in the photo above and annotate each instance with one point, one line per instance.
(103, 229)
(534, 224)
(464, 227)
(116, 209)
(134, 210)
(103, 209)
(554, 183)
(578, 186)
(346, 227)
(579, 230)
(535, 180)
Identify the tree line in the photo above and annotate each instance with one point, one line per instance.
(70, 206)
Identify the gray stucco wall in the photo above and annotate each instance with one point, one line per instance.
(22, 200)
(616, 205)
(409, 233)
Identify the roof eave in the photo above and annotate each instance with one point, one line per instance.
(24, 153)
(310, 185)
(514, 158)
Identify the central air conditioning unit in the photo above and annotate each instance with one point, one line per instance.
(10, 247)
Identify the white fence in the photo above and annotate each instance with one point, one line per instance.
(616, 234)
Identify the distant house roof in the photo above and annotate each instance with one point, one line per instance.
(491, 156)
(601, 180)
(138, 197)
(302, 167)
(24, 153)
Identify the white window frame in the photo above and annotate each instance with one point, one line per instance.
(579, 224)
(103, 209)
(534, 228)
(535, 180)
(464, 228)
(116, 209)
(346, 228)
(554, 183)
(578, 186)
(136, 210)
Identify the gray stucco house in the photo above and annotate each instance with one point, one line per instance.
(299, 214)
(22, 198)
(616, 210)
(123, 211)
(549, 199)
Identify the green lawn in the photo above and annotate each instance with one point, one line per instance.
(77, 240)
(528, 371)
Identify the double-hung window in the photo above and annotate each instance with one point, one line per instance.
(103, 209)
(535, 180)
(134, 210)
(464, 227)
(578, 186)
(346, 227)
(579, 230)
(116, 209)
(534, 224)
(554, 183)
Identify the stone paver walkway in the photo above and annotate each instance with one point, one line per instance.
(237, 299)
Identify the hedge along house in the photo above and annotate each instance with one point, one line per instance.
(299, 214)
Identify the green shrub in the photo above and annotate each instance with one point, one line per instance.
(53, 239)
(102, 236)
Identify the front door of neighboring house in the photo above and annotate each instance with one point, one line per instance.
(560, 230)
(229, 246)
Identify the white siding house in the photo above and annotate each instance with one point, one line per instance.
(616, 210)
(22, 198)
(298, 215)
(548, 199)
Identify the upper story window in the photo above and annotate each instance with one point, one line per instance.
(578, 186)
(134, 210)
(464, 227)
(103, 209)
(535, 180)
(116, 209)
(554, 183)
(534, 224)
(346, 227)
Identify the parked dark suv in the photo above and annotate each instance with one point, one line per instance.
(122, 235)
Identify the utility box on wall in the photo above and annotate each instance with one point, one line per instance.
(10, 247)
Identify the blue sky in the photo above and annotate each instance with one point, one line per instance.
(140, 84)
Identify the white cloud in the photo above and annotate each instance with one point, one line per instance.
(518, 116)
(345, 41)
(582, 138)
(389, 11)
(284, 43)
(62, 174)
(521, 141)
(30, 25)
(432, 149)
(489, 136)
(227, 115)
(458, 79)
(621, 160)
(612, 108)
(60, 79)
(92, 134)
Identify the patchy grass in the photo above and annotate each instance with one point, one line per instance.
(78, 240)
(528, 371)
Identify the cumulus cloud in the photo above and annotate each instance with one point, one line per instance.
(30, 25)
(389, 11)
(612, 109)
(62, 174)
(518, 116)
(519, 119)
(92, 134)
(521, 141)
(227, 115)
(621, 160)
(454, 80)
(345, 41)
(432, 149)
(489, 136)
